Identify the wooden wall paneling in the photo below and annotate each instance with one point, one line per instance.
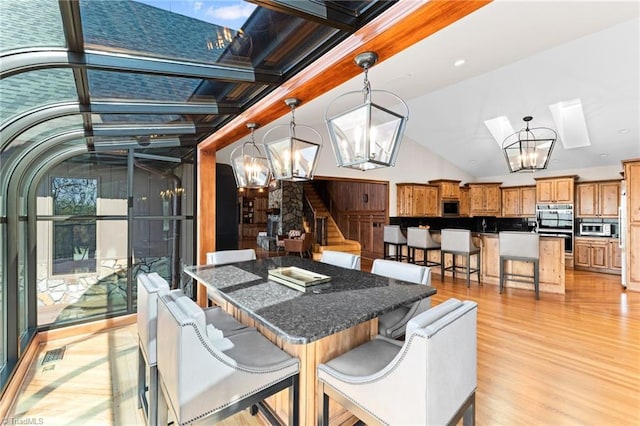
(354, 228)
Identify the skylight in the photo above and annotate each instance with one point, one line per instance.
(570, 123)
(500, 128)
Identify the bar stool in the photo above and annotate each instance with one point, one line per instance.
(523, 247)
(458, 242)
(393, 236)
(420, 239)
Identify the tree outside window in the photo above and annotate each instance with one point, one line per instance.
(74, 239)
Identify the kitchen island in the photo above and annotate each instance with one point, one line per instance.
(315, 325)
(552, 262)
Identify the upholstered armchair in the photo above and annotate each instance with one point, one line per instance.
(150, 286)
(300, 245)
(436, 368)
(393, 324)
(341, 258)
(224, 257)
(203, 374)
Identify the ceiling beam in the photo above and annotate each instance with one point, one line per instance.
(178, 108)
(16, 62)
(312, 11)
(401, 26)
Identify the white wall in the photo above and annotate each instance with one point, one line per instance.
(415, 163)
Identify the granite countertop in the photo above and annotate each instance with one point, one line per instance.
(350, 298)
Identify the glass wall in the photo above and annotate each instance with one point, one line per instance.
(86, 230)
(3, 292)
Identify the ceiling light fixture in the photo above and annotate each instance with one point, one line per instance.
(528, 150)
(459, 63)
(250, 167)
(366, 135)
(291, 157)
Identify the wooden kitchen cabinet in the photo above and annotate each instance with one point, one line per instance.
(555, 190)
(485, 199)
(414, 199)
(598, 199)
(465, 208)
(597, 255)
(615, 254)
(448, 189)
(519, 201)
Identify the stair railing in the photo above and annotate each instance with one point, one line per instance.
(317, 223)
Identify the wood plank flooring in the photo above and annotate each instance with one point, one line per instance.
(570, 359)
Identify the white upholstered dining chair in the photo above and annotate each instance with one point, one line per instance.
(205, 376)
(436, 368)
(224, 257)
(341, 258)
(150, 287)
(393, 324)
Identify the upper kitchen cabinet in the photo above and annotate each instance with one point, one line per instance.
(449, 189)
(485, 198)
(465, 207)
(416, 199)
(598, 199)
(519, 201)
(555, 190)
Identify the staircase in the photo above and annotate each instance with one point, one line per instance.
(335, 240)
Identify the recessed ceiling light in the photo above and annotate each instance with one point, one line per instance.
(473, 161)
(604, 154)
(459, 63)
(623, 131)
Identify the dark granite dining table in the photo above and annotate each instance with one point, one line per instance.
(350, 297)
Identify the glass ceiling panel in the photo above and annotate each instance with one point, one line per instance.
(25, 91)
(35, 134)
(238, 94)
(276, 41)
(32, 23)
(137, 119)
(46, 129)
(268, 39)
(131, 86)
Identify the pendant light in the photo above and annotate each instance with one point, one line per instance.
(292, 157)
(366, 135)
(250, 167)
(528, 150)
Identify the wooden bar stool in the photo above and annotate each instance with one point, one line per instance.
(522, 247)
(393, 236)
(420, 239)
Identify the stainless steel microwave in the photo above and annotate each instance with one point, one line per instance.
(450, 208)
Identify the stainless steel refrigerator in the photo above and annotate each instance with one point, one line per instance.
(622, 233)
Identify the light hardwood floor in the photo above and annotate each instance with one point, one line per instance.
(561, 360)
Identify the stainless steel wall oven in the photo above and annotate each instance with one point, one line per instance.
(556, 220)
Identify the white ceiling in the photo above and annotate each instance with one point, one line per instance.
(520, 57)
